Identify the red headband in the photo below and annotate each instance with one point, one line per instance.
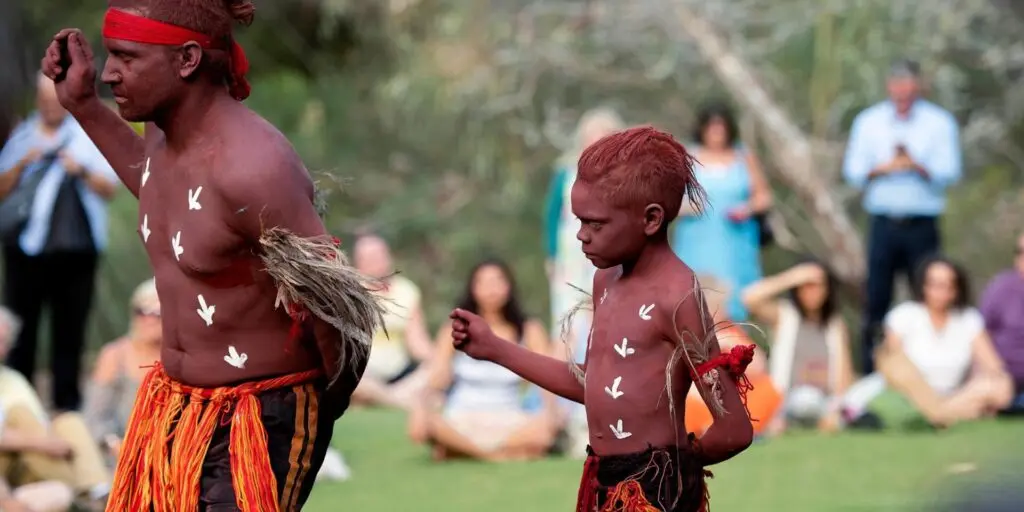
(128, 27)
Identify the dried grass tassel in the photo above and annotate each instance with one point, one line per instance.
(313, 275)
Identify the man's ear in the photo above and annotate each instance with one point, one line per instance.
(190, 56)
(654, 218)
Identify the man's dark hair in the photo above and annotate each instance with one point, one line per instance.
(905, 68)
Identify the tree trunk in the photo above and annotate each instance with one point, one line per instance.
(791, 148)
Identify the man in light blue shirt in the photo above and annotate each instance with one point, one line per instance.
(51, 260)
(903, 153)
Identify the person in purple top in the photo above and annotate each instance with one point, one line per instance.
(1002, 305)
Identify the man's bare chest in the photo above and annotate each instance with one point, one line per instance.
(183, 223)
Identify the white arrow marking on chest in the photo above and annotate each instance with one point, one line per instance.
(614, 390)
(144, 228)
(193, 199)
(623, 348)
(145, 174)
(645, 312)
(176, 245)
(618, 432)
(235, 359)
(206, 312)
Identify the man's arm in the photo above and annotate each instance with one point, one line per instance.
(17, 154)
(123, 149)
(943, 166)
(990, 304)
(731, 431)
(858, 164)
(269, 187)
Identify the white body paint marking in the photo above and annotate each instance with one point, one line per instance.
(623, 348)
(206, 311)
(235, 359)
(645, 312)
(176, 245)
(618, 431)
(144, 228)
(614, 390)
(145, 174)
(193, 199)
(603, 296)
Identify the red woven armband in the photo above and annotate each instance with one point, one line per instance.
(735, 363)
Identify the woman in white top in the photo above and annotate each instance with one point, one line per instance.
(809, 361)
(937, 354)
(474, 408)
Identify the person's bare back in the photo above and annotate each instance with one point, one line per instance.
(201, 212)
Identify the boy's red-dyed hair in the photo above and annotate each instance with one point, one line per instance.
(641, 166)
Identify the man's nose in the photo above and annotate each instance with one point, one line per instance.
(108, 76)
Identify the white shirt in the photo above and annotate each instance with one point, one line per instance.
(943, 356)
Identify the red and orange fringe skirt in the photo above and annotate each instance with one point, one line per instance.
(168, 435)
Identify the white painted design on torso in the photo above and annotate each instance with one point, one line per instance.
(206, 311)
(193, 198)
(603, 296)
(623, 348)
(176, 246)
(645, 311)
(235, 359)
(614, 390)
(144, 228)
(618, 431)
(145, 174)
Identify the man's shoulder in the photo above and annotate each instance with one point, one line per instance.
(258, 160)
(935, 113)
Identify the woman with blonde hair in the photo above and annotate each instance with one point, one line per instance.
(120, 368)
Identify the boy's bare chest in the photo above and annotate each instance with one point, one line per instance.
(184, 223)
(625, 328)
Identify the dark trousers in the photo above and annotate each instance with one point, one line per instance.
(64, 282)
(895, 245)
(299, 431)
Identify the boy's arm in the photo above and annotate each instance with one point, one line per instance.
(731, 431)
(545, 371)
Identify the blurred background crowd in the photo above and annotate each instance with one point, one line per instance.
(865, 229)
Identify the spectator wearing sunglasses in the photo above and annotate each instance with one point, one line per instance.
(120, 368)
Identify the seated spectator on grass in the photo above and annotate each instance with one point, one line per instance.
(937, 362)
(15, 389)
(1002, 306)
(809, 358)
(395, 376)
(763, 400)
(120, 367)
(49, 496)
(474, 408)
(45, 455)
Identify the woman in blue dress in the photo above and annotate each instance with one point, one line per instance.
(724, 241)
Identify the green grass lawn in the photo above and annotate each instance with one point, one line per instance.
(801, 472)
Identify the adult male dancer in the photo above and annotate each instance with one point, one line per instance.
(651, 337)
(239, 413)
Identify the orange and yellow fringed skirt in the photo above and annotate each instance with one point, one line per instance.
(168, 434)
